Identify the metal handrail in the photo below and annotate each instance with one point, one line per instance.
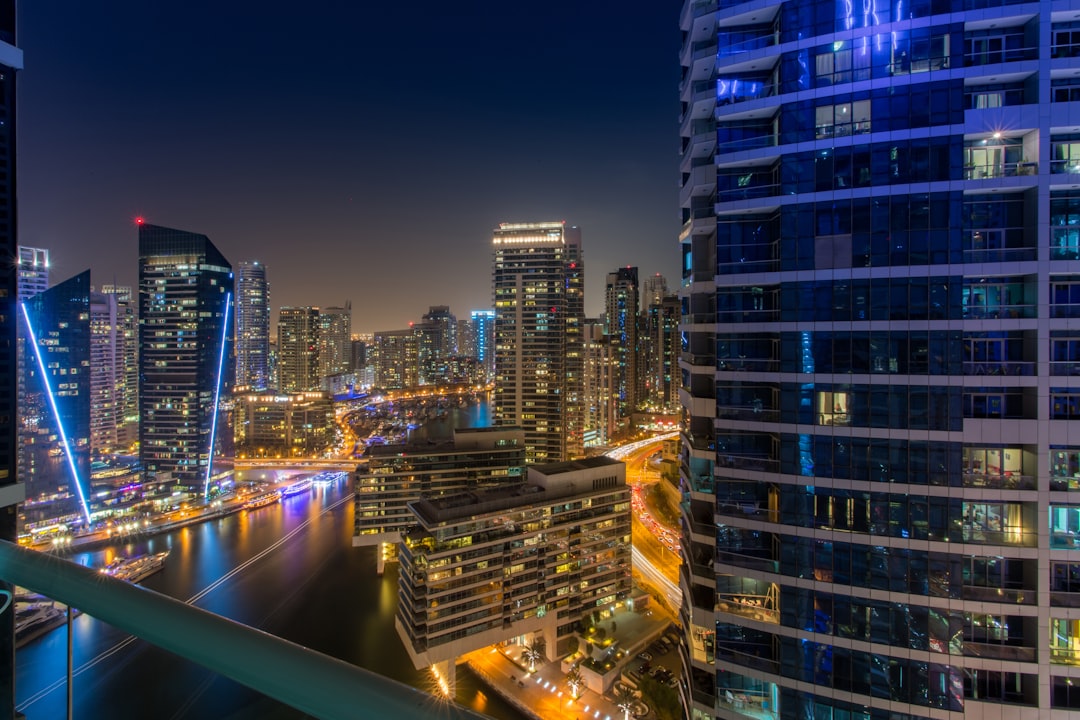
(314, 683)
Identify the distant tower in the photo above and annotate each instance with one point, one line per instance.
(621, 315)
(106, 372)
(252, 326)
(530, 286)
(394, 354)
(483, 330)
(56, 423)
(335, 340)
(298, 349)
(33, 271)
(653, 290)
(437, 342)
(185, 292)
(128, 387)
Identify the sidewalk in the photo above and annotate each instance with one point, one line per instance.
(544, 695)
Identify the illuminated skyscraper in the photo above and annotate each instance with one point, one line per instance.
(33, 271)
(185, 293)
(881, 460)
(334, 333)
(55, 437)
(533, 311)
(106, 372)
(252, 326)
(483, 332)
(621, 325)
(128, 389)
(298, 349)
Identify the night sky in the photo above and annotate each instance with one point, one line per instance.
(362, 150)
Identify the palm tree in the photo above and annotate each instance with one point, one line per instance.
(575, 682)
(624, 700)
(532, 655)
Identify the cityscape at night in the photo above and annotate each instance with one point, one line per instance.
(709, 361)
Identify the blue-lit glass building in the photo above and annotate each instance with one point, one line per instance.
(881, 358)
(185, 290)
(54, 416)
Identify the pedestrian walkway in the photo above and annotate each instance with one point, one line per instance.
(544, 694)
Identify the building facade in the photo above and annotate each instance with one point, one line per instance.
(33, 271)
(11, 492)
(486, 566)
(55, 412)
(252, 326)
(396, 475)
(273, 425)
(185, 298)
(335, 341)
(106, 372)
(879, 256)
(128, 390)
(395, 356)
(621, 300)
(298, 363)
(483, 332)
(531, 262)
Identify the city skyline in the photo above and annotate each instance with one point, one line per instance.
(314, 169)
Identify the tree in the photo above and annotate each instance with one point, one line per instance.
(575, 682)
(624, 700)
(532, 655)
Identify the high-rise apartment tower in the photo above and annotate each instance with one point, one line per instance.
(185, 294)
(881, 275)
(252, 326)
(533, 313)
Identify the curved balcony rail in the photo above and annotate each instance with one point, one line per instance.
(1002, 55)
(996, 651)
(315, 684)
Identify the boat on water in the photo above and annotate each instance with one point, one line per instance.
(33, 619)
(297, 488)
(135, 569)
(263, 500)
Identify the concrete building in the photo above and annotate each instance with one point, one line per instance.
(127, 432)
(597, 387)
(395, 356)
(396, 475)
(533, 559)
(335, 341)
(107, 379)
(185, 298)
(298, 364)
(483, 331)
(534, 336)
(273, 425)
(880, 249)
(252, 326)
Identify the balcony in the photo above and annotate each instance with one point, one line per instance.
(1025, 369)
(1000, 170)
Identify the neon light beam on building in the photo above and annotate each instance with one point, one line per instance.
(56, 414)
(217, 393)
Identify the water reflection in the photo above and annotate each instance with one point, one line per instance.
(287, 568)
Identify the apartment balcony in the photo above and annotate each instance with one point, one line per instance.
(696, 10)
(700, 182)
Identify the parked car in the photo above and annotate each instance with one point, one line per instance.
(644, 656)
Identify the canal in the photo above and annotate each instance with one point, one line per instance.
(288, 569)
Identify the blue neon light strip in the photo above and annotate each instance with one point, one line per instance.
(217, 393)
(56, 414)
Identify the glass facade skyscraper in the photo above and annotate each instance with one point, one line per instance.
(881, 457)
(55, 418)
(185, 289)
(252, 326)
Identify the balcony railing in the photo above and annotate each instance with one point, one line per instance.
(999, 170)
(999, 368)
(315, 684)
(1000, 482)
